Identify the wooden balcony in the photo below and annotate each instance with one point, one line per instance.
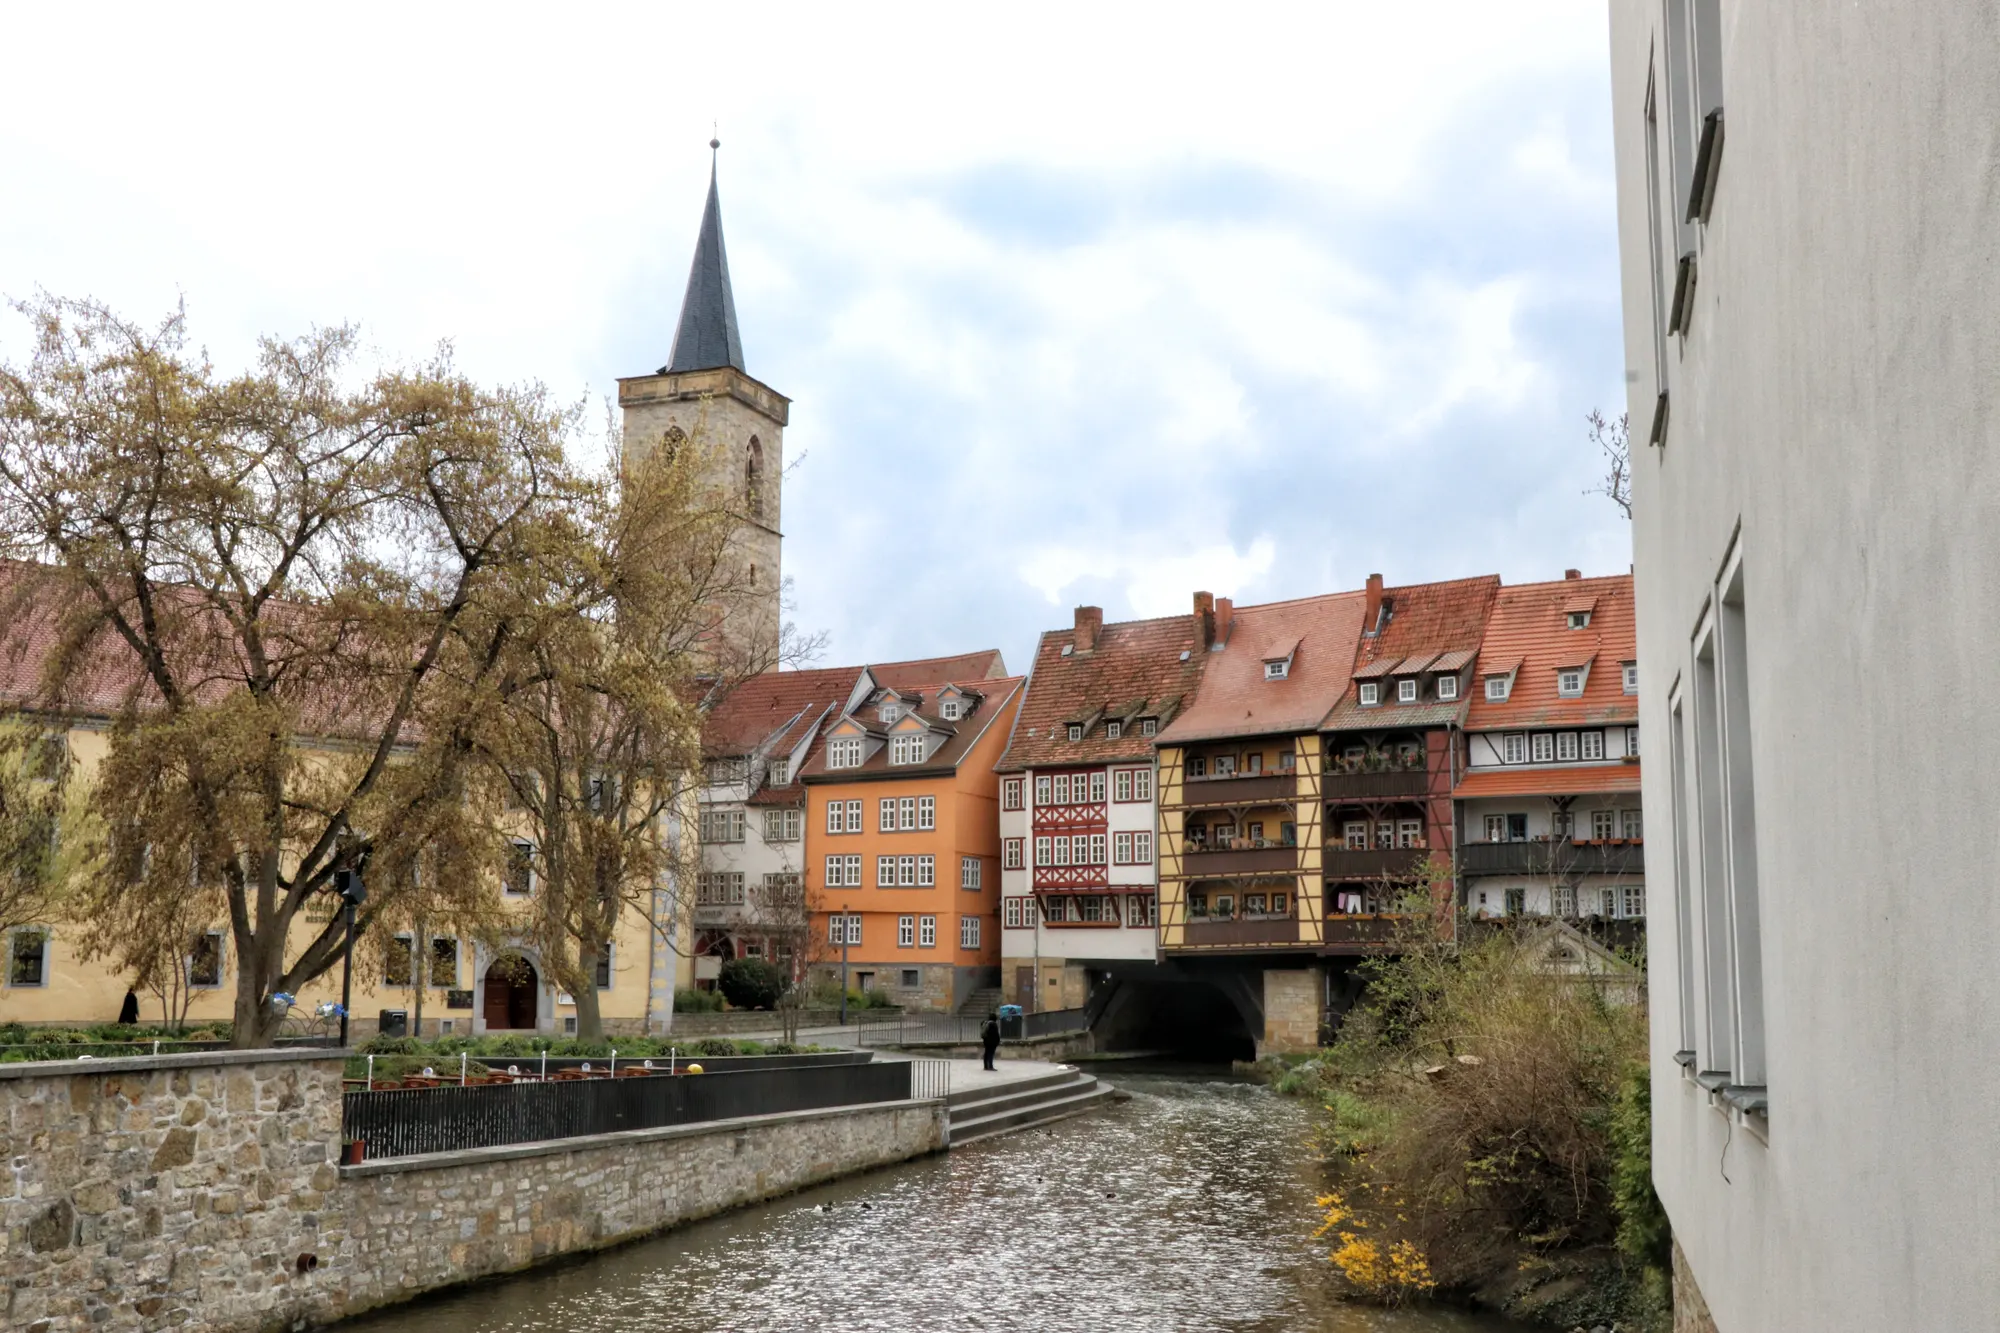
(1552, 856)
(1256, 789)
(1372, 863)
(1400, 784)
(1374, 931)
(1240, 933)
(1223, 863)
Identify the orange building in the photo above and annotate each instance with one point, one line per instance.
(903, 839)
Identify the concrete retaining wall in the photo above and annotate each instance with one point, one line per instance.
(201, 1191)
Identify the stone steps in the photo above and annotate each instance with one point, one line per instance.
(983, 1113)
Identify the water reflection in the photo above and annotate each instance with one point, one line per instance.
(1188, 1207)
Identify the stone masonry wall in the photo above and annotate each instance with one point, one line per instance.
(1291, 1010)
(202, 1192)
(177, 1191)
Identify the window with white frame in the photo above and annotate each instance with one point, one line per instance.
(843, 752)
(836, 872)
(1497, 688)
(1121, 785)
(968, 872)
(1371, 694)
(927, 812)
(1496, 828)
(891, 710)
(1514, 748)
(1543, 747)
(1409, 833)
(1631, 825)
(1096, 849)
(1607, 900)
(927, 932)
(906, 872)
(968, 932)
(1028, 912)
(519, 878)
(722, 825)
(1062, 789)
(843, 929)
(1044, 854)
(724, 772)
(836, 817)
(784, 825)
(1142, 784)
(1593, 745)
(1010, 853)
(926, 872)
(1569, 682)
(1634, 896)
(1632, 742)
(1142, 848)
(1042, 789)
(854, 816)
(1010, 913)
(1447, 687)
(885, 814)
(948, 710)
(1076, 731)
(718, 888)
(885, 872)
(1140, 909)
(906, 812)
(1097, 786)
(1149, 726)
(1562, 823)
(28, 956)
(1355, 835)
(1385, 833)
(906, 932)
(1113, 730)
(1631, 677)
(907, 749)
(1092, 907)
(1062, 849)
(1565, 745)
(1563, 900)
(1603, 824)
(1579, 620)
(1406, 691)
(1010, 794)
(778, 772)
(1277, 670)
(1121, 849)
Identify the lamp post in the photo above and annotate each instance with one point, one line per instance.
(843, 964)
(347, 883)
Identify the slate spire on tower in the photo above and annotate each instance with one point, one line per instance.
(707, 338)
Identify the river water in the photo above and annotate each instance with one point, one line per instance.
(1188, 1207)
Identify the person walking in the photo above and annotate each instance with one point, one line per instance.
(128, 1013)
(989, 1036)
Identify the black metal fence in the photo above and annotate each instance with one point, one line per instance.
(405, 1122)
(963, 1030)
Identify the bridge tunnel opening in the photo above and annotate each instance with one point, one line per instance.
(1182, 1019)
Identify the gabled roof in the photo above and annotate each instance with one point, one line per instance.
(1530, 625)
(960, 738)
(707, 338)
(1573, 780)
(1427, 622)
(1137, 668)
(966, 670)
(1235, 698)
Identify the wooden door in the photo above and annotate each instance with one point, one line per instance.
(497, 993)
(1024, 988)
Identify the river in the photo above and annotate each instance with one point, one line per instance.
(1188, 1207)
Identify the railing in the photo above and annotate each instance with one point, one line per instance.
(1244, 932)
(1056, 1022)
(1242, 861)
(1372, 862)
(1367, 931)
(905, 1029)
(406, 1122)
(1279, 788)
(1388, 784)
(1551, 856)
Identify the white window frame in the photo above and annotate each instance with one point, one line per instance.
(1514, 748)
(1498, 688)
(968, 873)
(906, 814)
(1542, 747)
(221, 963)
(1044, 786)
(1010, 794)
(906, 871)
(1603, 824)
(1149, 726)
(1629, 677)
(1096, 849)
(885, 872)
(854, 816)
(926, 872)
(1579, 620)
(1496, 828)
(1121, 849)
(836, 821)
(1142, 847)
(1010, 913)
(1044, 851)
(906, 932)
(1114, 730)
(926, 812)
(1277, 670)
(1593, 745)
(843, 752)
(885, 814)
(1010, 854)
(1406, 691)
(1076, 731)
(1566, 751)
(1097, 787)
(1632, 742)
(778, 772)
(948, 710)
(1569, 682)
(1142, 784)
(1371, 693)
(1121, 785)
(927, 932)
(1447, 687)
(1061, 796)
(507, 888)
(968, 932)
(1062, 849)
(1632, 824)
(1354, 835)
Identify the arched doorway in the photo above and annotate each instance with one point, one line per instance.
(513, 994)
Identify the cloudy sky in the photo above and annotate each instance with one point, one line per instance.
(1074, 305)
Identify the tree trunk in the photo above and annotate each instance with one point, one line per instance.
(589, 1021)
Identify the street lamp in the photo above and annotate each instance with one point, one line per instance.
(843, 964)
(347, 883)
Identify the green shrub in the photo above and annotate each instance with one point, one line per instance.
(751, 983)
(713, 1046)
(698, 1001)
(1643, 1232)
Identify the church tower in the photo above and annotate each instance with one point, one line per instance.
(705, 393)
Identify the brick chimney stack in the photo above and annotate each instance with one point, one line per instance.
(1204, 619)
(1572, 573)
(1089, 620)
(1371, 611)
(1225, 613)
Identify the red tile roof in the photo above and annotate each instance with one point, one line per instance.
(1138, 668)
(1426, 621)
(962, 735)
(1548, 781)
(1529, 625)
(967, 668)
(1236, 700)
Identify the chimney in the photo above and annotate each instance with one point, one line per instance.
(1572, 573)
(1371, 611)
(1204, 619)
(1089, 620)
(1225, 612)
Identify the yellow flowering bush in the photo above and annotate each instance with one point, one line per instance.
(1390, 1271)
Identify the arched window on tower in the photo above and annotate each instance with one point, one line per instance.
(753, 479)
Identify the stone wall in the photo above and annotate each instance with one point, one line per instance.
(169, 1191)
(1690, 1310)
(1292, 999)
(202, 1192)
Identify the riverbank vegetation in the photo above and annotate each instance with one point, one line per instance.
(1487, 1116)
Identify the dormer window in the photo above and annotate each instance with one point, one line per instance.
(844, 752)
(1498, 688)
(1447, 687)
(1371, 693)
(1569, 682)
(1406, 691)
(907, 749)
(1113, 730)
(1579, 620)
(1631, 677)
(891, 710)
(1277, 670)
(1076, 731)
(778, 772)
(948, 710)
(1149, 726)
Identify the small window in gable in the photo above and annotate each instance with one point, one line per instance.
(1371, 694)
(1497, 688)
(891, 710)
(948, 710)
(1569, 682)
(1149, 726)
(1113, 730)
(1076, 731)
(1406, 691)
(1277, 670)
(1631, 677)
(1579, 620)
(1447, 687)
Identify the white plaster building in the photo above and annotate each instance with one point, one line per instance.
(1812, 334)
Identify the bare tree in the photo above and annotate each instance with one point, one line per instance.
(784, 911)
(44, 823)
(1614, 440)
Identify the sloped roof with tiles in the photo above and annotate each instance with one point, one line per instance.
(1429, 627)
(1530, 626)
(1569, 780)
(920, 672)
(1133, 669)
(961, 734)
(1235, 697)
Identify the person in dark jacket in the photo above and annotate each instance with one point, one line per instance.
(128, 1013)
(989, 1036)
